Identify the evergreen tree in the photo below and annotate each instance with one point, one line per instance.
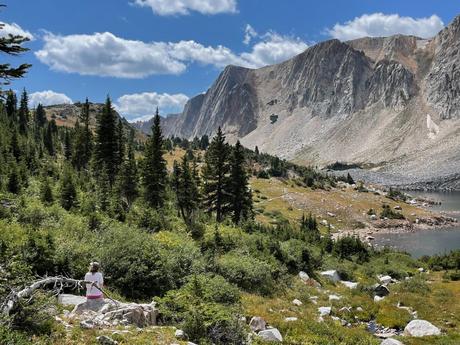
(86, 135)
(23, 112)
(46, 194)
(256, 151)
(121, 142)
(68, 190)
(14, 184)
(11, 104)
(241, 196)
(48, 140)
(309, 226)
(186, 191)
(216, 176)
(103, 189)
(67, 146)
(107, 147)
(350, 179)
(40, 116)
(154, 170)
(12, 45)
(204, 142)
(127, 178)
(14, 145)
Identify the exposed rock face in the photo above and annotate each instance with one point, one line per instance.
(365, 101)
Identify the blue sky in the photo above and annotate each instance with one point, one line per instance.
(146, 53)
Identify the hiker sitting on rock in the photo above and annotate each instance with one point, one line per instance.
(93, 291)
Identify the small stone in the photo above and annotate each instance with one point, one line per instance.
(350, 285)
(180, 334)
(385, 280)
(323, 311)
(378, 298)
(257, 324)
(297, 302)
(332, 275)
(290, 319)
(271, 334)
(359, 309)
(304, 276)
(334, 298)
(390, 341)
(105, 340)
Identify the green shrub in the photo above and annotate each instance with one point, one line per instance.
(11, 337)
(249, 273)
(387, 212)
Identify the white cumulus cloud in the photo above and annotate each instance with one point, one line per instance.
(184, 7)
(48, 98)
(104, 54)
(274, 48)
(15, 30)
(142, 106)
(379, 24)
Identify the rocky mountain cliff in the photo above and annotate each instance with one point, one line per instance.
(391, 104)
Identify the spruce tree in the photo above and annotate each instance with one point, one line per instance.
(67, 145)
(87, 135)
(40, 116)
(11, 104)
(216, 177)
(14, 184)
(14, 145)
(23, 112)
(121, 142)
(46, 194)
(186, 191)
(127, 178)
(154, 170)
(12, 45)
(241, 196)
(68, 195)
(103, 189)
(48, 140)
(106, 146)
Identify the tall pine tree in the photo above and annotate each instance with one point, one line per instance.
(216, 176)
(154, 172)
(23, 112)
(187, 193)
(11, 105)
(40, 116)
(241, 196)
(127, 178)
(106, 151)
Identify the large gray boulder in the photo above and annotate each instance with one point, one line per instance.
(67, 299)
(421, 328)
(271, 334)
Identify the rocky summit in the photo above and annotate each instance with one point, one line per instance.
(388, 103)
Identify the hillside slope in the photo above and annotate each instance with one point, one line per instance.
(391, 103)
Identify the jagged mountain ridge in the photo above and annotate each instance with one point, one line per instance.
(392, 103)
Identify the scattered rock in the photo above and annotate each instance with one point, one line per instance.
(378, 298)
(290, 319)
(390, 341)
(314, 299)
(297, 302)
(105, 340)
(373, 217)
(359, 309)
(334, 298)
(385, 280)
(304, 276)
(421, 328)
(350, 285)
(421, 270)
(324, 311)
(180, 334)
(257, 324)
(398, 208)
(332, 275)
(271, 334)
(381, 290)
(67, 299)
